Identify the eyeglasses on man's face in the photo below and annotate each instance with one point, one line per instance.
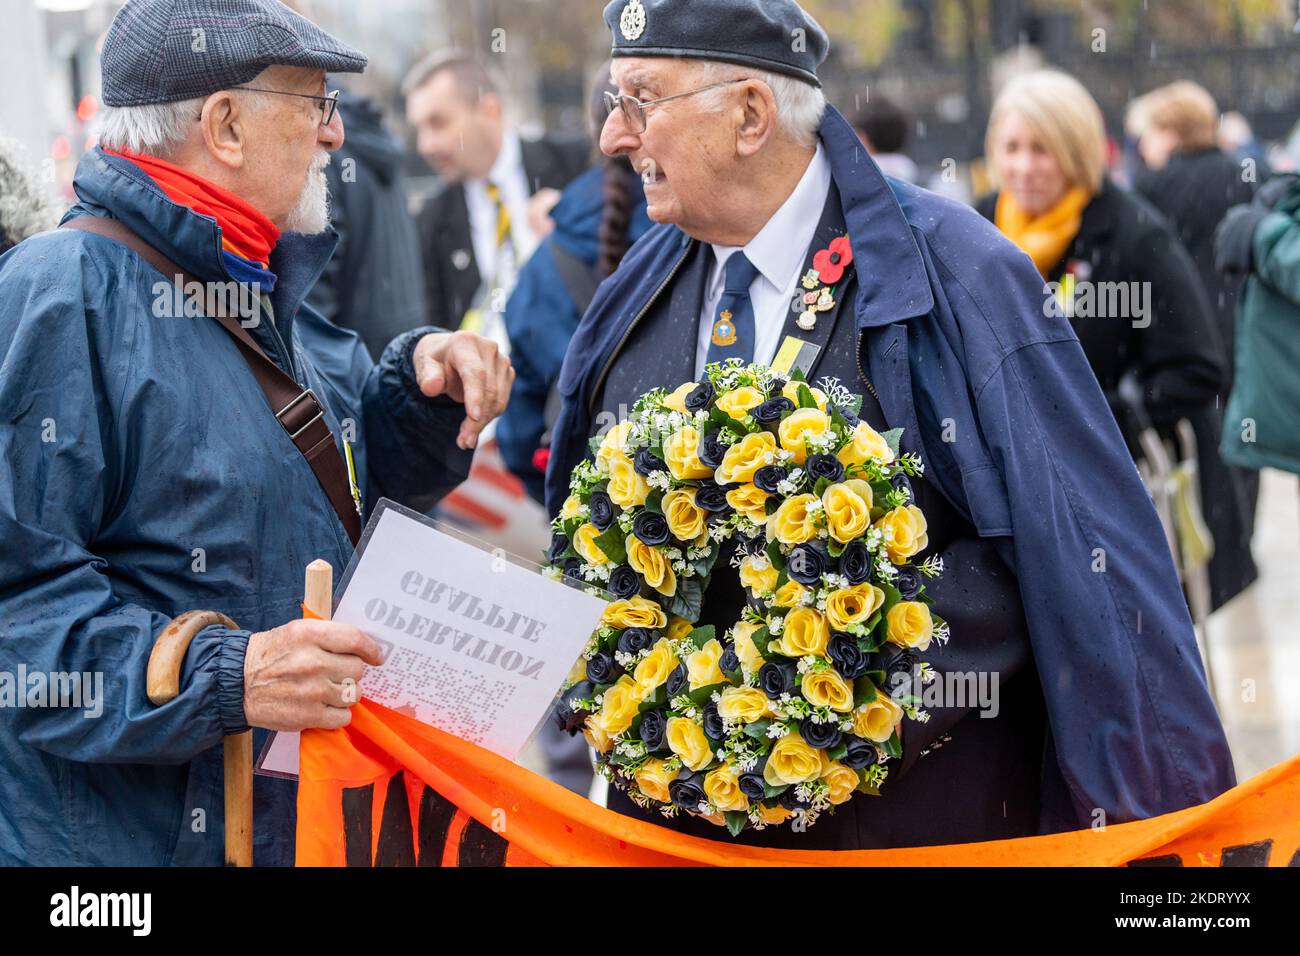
(327, 103)
(634, 110)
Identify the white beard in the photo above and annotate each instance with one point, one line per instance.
(311, 214)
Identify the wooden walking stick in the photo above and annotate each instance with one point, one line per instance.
(163, 685)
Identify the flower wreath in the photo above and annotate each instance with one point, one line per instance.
(787, 714)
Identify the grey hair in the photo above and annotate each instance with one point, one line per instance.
(799, 105)
(156, 128)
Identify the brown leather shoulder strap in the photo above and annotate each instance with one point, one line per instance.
(298, 410)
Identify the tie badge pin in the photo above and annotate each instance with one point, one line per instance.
(724, 331)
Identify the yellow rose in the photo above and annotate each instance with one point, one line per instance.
(791, 523)
(743, 459)
(865, 444)
(805, 632)
(634, 612)
(722, 787)
(686, 739)
(827, 689)
(750, 502)
(618, 707)
(677, 400)
(653, 669)
(685, 518)
(789, 594)
(600, 741)
(909, 624)
(613, 441)
(681, 452)
(855, 605)
(679, 627)
(791, 391)
(739, 401)
(876, 721)
(842, 780)
(751, 660)
(774, 815)
(848, 516)
(792, 761)
(653, 779)
(627, 489)
(651, 564)
(702, 667)
(570, 507)
(759, 580)
(908, 529)
(584, 541)
(804, 423)
(745, 704)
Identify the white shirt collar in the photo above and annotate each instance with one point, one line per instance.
(509, 159)
(779, 249)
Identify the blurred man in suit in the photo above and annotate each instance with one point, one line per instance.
(479, 228)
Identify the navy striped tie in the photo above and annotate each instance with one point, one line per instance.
(732, 335)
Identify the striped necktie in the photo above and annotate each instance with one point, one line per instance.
(733, 322)
(503, 214)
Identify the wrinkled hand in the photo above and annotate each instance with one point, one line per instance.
(304, 674)
(470, 369)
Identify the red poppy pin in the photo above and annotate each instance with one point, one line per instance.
(830, 263)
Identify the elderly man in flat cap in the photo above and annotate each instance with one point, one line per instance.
(1058, 582)
(161, 454)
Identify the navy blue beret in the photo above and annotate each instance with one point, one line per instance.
(161, 51)
(773, 35)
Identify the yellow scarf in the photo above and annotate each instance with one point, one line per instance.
(1045, 237)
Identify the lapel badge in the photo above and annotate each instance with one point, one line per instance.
(632, 22)
(831, 262)
(808, 320)
(825, 301)
(811, 281)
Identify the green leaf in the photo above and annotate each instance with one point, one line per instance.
(893, 746)
(806, 399)
(704, 566)
(688, 600)
(761, 638)
(655, 700)
(820, 487)
(892, 438)
(774, 555)
(611, 542)
(736, 820)
(593, 443)
(770, 791)
(758, 729)
(654, 503)
(838, 751)
(892, 597)
(701, 635)
(864, 692)
(700, 696)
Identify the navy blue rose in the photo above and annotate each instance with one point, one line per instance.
(647, 463)
(849, 417)
(855, 562)
(624, 582)
(559, 544)
(729, 662)
(700, 399)
(713, 722)
(752, 546)
(676, 681)
(777, 387)
(823, 735)
(825, 466)
(902, 663)
(573, 571)
(807, 563)
(653, 726)
(848, 658)
(712, 498)
(566, 718)
(687, 791)
(601, 669)
(752, 785)
(602, 510)
(861, 753)
(908, 581)
(901, 482)
(634, 640)
(770, 412)
(711, 449)
(791, 800)
(777, 678)
(769, 478)
(651, 528)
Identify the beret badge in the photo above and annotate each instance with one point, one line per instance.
(632, 23)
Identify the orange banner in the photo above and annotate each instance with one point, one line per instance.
(389, 791)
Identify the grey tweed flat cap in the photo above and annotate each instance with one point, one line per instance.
(161, 51)
(774, 35)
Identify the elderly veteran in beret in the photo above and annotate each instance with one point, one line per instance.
(147, 466)
(1058, 581)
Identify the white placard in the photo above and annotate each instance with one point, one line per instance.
(474, 644)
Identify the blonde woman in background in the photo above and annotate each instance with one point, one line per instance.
(1131, 290)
